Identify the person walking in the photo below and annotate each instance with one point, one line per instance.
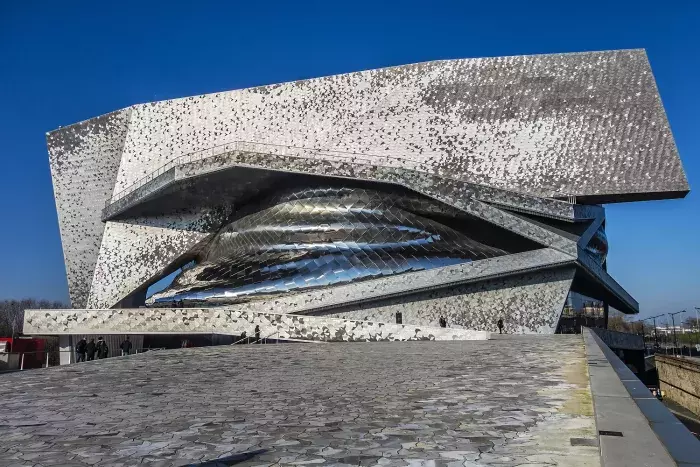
(500, 325)
(80, 350)
(443, 322)
(102, 349)
(90, 349)
(257, 334)
(126, 347)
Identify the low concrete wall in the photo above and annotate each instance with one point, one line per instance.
(234, 322)
(620, 340)
(635, 429)
(680, 379)
(9, 361)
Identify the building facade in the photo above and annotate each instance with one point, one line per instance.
(470, 190)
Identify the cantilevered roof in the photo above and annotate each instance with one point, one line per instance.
(587, 124)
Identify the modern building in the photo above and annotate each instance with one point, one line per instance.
(470, 190)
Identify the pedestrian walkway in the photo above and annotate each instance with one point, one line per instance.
(506, 402)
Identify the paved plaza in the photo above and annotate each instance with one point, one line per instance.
(507, 402)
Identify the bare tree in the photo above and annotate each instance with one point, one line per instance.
(627, 323)
(692, 323)
(12, 313)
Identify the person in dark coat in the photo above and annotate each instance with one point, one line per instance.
(500, 326)
(102, 349)
(90, 349)
(257, 334)
(443, 322)
(126, 346)
(80, 349)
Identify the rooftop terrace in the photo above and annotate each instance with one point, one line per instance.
(508, 402)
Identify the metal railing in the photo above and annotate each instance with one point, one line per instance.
(274, 337)
(21, 361)
(256, 340)
(315, 154)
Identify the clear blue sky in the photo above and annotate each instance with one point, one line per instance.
(61, 62)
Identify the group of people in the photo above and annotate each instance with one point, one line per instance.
(86, 351)
(247, 340)
(90, 350)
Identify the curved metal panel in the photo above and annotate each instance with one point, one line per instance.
(322, 237)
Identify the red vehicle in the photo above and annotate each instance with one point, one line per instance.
(22, 353)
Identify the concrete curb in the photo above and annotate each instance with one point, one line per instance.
(634, 428)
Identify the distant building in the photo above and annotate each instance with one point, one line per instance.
(579, 305)
(680, 329)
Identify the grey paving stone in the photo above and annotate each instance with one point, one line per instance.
(412, 403)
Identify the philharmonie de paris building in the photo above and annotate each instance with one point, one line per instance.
(365, 206)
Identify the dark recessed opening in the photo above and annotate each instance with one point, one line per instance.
(609, 433)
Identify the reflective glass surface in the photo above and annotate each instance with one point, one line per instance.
(598, 246)
(322, 237)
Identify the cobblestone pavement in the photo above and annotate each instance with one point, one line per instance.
(517, 401)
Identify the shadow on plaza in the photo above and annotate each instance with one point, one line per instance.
(230, 460)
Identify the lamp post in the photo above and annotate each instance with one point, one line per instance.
(673, 322)
(697, 328)
(656, 334)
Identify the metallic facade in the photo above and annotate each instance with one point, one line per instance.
(495, 167)
(323, 237)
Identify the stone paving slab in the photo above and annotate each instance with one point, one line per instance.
(506, 402)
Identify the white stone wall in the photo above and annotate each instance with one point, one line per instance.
(227, 321)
